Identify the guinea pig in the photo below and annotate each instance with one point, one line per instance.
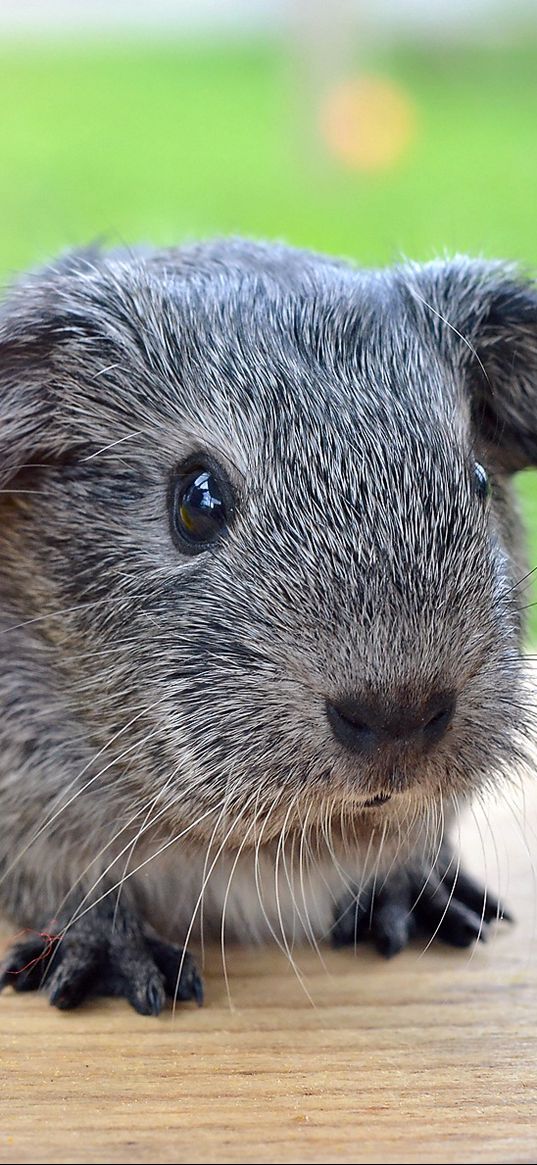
(260, 603)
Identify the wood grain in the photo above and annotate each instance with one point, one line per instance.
(429, 1058)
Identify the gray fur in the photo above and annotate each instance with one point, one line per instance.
(146, 695)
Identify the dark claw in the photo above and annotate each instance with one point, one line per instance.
(155, 998)
(73, 969)
(26, 963)
(147, 996)
(68, 985)
(181, 978)
(478, 899)
(391, 926)
(103, 953)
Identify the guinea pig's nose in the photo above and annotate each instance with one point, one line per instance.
(366, 725)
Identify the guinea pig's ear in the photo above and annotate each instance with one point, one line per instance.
(24, 397)
(37, 319)
(502, 329)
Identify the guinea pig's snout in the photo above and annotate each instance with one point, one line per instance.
(365, 726)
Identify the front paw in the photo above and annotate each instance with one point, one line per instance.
(413, 900)
(103, 954)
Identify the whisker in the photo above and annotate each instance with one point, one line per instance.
(112, 445)
(309, 926)
(266, 918)
(416, 295)
(376, 870)
(445, 910)
(287, 948)
(224, 906)
(146, 823)
(199, 899)
(52, 615)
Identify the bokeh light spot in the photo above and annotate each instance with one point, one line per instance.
(368, 124)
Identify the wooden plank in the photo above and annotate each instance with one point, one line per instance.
(431, 1057)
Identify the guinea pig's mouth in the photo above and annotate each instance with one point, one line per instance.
(380, 799)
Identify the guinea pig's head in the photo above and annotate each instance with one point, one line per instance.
(258, 505)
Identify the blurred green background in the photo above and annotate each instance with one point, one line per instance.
(163, 141)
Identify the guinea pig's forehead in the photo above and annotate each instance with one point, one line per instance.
(345, 339)
(350, 445)
(344, 359)
(376, 408)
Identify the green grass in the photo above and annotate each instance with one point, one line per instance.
(158, 143)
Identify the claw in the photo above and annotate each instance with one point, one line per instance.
(155, 998)
(391, 930)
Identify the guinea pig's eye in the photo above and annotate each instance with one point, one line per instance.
(482, 481)
(201, 506)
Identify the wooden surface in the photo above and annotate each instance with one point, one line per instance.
(432, 1057)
